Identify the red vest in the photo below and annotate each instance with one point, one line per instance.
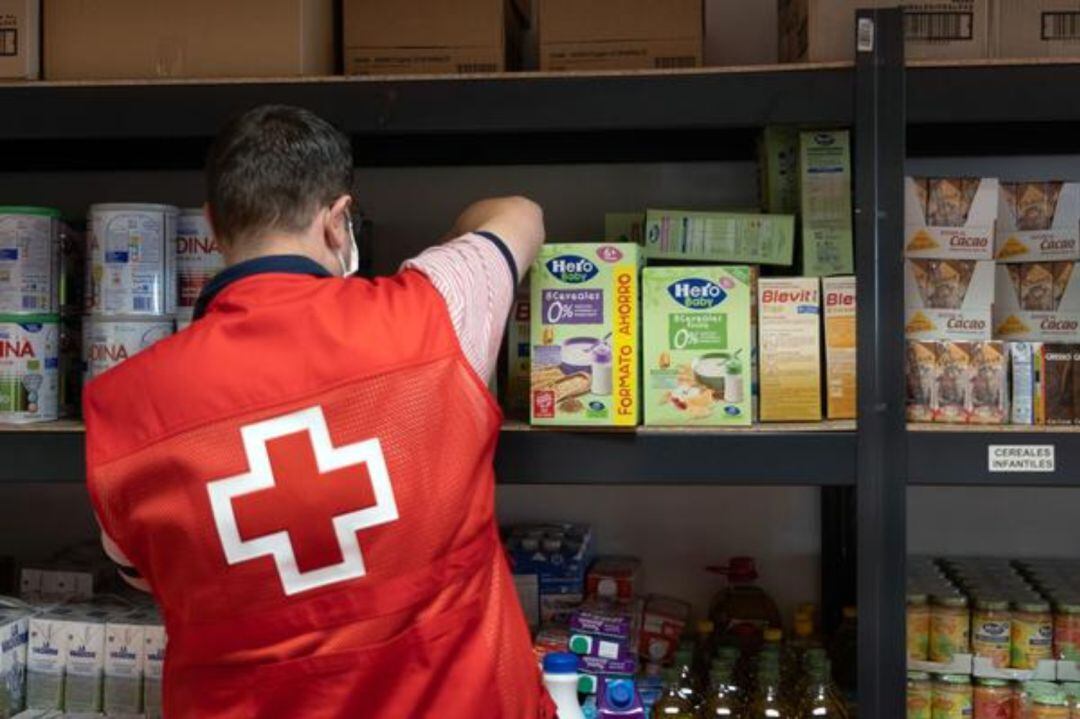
(305, 479)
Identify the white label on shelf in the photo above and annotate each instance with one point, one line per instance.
(1021, 457)
(865, 39)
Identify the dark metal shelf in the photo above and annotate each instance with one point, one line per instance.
(959, 457)
(822, 456)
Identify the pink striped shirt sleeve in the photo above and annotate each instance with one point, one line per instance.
(474, 278)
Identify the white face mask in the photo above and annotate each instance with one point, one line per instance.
(353, 264)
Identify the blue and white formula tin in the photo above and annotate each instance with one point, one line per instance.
(29, 368)
(29, 260)
(131, 260)
(108, 341)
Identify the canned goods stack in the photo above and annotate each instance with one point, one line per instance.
(198, 259)
(29, 314)
(130, 282)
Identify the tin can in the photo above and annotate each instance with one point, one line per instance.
(131, 260)
(198, 256)
(1067, 631)
(918, 627)
(920, 695)
(991, 631)
(953, 697)
(994, 699)
(1032, 634)
(108, 341)
(950, 627)
(29, 260)
(29, 377)
(184, 317)
(71, 362)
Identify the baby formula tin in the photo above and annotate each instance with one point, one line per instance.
(72, 266)
(131, 260)
(108, 341)
(198, 257)
(29, 259)
(29, 375)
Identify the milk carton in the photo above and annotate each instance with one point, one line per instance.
(125, 658)
(839, 294)
(950, 218)
(46, 654)
(825, 195)
(697, 345)
(585, 335)
(154, 642)
(789, 349)
(84, 661)
(1038, 222)
(14, 630)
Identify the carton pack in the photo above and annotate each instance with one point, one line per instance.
(47, 650)
(585, 335)
(740, 32)
(614, 578)
(113, 39)
(839, 306)
(559, 554)
(14, 635)
(778, 168)
(1037, 302)
(824, 30)
(789, 327)
(697, 345)
(518, 352)
(950, 218)
(84, 664)
(825, 198)
(390, 37)
(1035, 28)
(154, 640)
(662, 625)
(620, 34)
(921, 373)
(1038, 222)
(20, 30)
(1057, 393)
(1026, 361)
(958, 382)
(624, 227)
(740, 238)
(948, 299)
(125, 660)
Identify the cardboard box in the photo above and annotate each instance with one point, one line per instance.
(662, 625)
(789, 348)
(825, 199)
(620, 34)
(391, 37)
(840, 346)
(1026, 361)
(1037, 302)
(1038, 221)
(518, 351)
(739, 238)
(20, 33)
(778, 168)
(824, 30)
(584, 335)
(624, 227)
(113, 39)
(972, 383)
(84, 665)
(46, 655)
(740, 32)
(950, 218)
(125, 660)
(697, 347)
(921, 369)
(1057, 392)
(559, 554)
(1036, 28)
(614, 578)
(948, 299)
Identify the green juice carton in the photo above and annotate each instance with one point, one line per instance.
(698, 361)
(825, 195)
(584, 335)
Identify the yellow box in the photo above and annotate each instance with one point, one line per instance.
(789, 349)
(839, 301)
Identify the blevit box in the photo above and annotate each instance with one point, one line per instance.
(789, 325)
(697, 345)
(825, 200)
(948, 299)
(950, 218)
(84, 664)
(125, 658)
(1037, 302)
(840, 346)
(584, 335)
(1038, 221)
(742, 238)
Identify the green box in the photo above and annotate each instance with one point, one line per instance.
(741, 238)
(778, 158)
(584, 335)
(697, 346)
(825, 195)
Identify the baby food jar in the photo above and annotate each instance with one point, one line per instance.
(1032, 634)
(920, 694)
(994, 699)
(918, 627)
(1044, 700)
(953, 697)
(991, 631)
(950, 627)
(1066, 631)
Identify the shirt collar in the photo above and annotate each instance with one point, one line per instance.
(275, 264)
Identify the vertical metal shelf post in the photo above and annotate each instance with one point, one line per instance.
(880, 126)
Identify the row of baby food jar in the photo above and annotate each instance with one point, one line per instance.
(958, 696)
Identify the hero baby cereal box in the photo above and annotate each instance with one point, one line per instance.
(584, 318)
(697, 345)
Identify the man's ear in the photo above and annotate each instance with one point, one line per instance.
(336, 230)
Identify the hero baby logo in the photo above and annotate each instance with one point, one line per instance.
(303, 501)
(572, 269)
(697, 294)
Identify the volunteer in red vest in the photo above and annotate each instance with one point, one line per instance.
(303, 478)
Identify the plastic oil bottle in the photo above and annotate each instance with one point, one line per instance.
(820, 699)
(743, 610)
(672, 704)
(769, 700)
(724, 698)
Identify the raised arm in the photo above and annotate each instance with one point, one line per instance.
(517, 221)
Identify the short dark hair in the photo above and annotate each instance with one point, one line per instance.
(272, 168)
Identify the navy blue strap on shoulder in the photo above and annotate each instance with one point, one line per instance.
(276, 264)
(507, 255)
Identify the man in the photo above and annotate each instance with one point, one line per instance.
(304, 477)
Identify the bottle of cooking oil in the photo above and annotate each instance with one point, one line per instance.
(672, 704)
(804, 637)
(769, 700)
(723, 696)
(843, 652)
(820, 699)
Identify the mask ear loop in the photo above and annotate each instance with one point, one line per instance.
(350, 268)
